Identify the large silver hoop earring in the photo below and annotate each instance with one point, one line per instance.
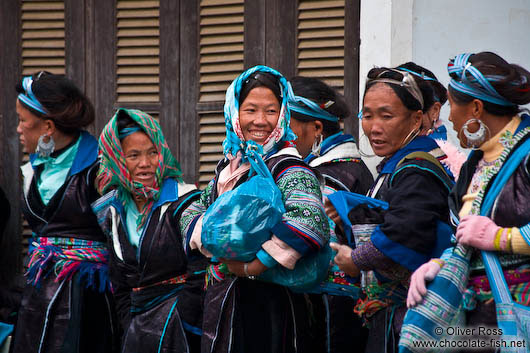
(475, 139)
(45, 149)
(363, 154)
(315, 149)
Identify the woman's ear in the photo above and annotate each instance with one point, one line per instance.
(435, 111)
(49, 126)
(477, 108)
(417, 118)
(319, 128)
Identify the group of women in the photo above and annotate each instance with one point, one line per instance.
(117, 261)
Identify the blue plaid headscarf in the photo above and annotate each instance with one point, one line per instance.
(234, 141)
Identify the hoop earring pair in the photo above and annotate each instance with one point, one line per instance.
(317, 146)
(45, 149)
(474, 139)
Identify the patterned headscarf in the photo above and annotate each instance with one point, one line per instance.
(113, 172)
(234, 141)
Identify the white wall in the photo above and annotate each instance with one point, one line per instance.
(430, 32)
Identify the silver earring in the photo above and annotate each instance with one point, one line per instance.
(364, 154)
(45, 149)
(477, 138)
(315, 149)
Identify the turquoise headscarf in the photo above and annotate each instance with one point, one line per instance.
(234, 141)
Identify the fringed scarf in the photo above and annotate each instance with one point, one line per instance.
(113, 172)
(66, 257)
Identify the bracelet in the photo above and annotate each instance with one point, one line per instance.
(439, 262)
(245, 269)
(497, 240)
(509, 240)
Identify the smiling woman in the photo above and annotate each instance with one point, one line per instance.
(243, 313)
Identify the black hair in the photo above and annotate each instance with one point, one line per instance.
(321, 93)
(514, 85)
(439, 90)
(125, 121)
(260, 79)
(66, 105)
(403, 94)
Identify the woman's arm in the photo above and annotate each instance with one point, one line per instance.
(405, 240)
(304, 226)
(191, 215)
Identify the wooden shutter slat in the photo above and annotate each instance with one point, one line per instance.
(321, 40)
(138, 51)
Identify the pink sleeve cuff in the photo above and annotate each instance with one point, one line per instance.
(281, 252)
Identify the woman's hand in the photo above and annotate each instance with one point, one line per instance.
(478, 232)
(424, 273)
(343, 259)
(253, 268)
(332, 213)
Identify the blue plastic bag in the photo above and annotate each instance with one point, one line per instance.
(240, 220)
(308, 272)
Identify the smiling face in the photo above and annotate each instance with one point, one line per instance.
(386, 121)
(258, 114)
(141, 158)
(30, 128)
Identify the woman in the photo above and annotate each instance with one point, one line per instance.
(415, 186)
(67, 301)
(485, 95)
(431, 125)
(157, 282)
(316, 110)
(242, 314)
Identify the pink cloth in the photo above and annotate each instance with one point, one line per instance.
(281, 252)
(231, 173)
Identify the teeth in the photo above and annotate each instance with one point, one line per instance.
(259, 134)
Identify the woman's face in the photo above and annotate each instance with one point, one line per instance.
(386, 121)
(307, 132)
(30, 127)
(458, 115)
(141, 158)
(258, 114)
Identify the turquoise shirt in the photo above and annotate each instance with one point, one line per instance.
(54, 172)
(131, 217)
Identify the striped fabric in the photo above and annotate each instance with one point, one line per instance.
(468, 80)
